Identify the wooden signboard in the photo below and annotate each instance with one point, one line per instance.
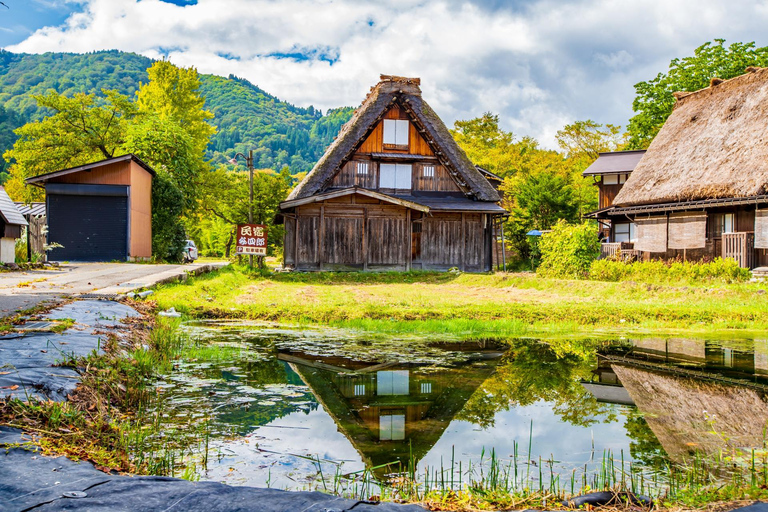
(252, 239)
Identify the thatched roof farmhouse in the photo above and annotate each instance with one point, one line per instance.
(699, 190)
(393, 192)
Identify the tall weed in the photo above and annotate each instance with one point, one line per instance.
(720, 270)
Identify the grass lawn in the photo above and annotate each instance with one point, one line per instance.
(473, 305)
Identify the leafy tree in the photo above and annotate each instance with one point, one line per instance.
(172, 94)
(568, 250)
(168, 234)
(487, 145)
(654, 99)
(82, 129)
(587, 139)
(226, 205)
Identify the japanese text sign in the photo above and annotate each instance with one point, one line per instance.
(252, 239)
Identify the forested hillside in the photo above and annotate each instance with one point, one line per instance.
(246, 117)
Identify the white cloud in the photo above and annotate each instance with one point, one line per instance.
(539, 64)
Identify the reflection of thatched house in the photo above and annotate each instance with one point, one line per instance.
(389, 412)
(701, 189)
(393, 192)
(688, 414)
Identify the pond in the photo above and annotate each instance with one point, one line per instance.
(299, 409)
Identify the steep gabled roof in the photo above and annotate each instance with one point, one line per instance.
(714, 145)
(407, 94)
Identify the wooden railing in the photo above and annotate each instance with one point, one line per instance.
(610, 251)
(624, 251)
(740, 247)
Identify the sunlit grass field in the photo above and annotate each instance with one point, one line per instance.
(472, 305)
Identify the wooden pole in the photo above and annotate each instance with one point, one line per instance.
(463, 255)
(321, 239)
(409, 240)
(365, 239)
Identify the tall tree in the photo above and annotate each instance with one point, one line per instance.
(172, 93)
(82, 129)
(587, 139)
(486, 144)
(654, 99)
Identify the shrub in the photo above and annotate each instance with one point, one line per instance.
(568, 250)
(726, 270)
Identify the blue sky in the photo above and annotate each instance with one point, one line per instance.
(539, 64)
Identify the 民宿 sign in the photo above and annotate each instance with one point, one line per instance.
(252, 239)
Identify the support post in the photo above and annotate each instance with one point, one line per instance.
(365, 239)
(321, 238)
(409, 240)
(463, 254)
(503, 247)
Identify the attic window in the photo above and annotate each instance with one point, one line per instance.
(362, 168)
(429, 171)
(396, 132)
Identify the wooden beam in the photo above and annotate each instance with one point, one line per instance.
(296, 242)
(321, 238)
(463, 254)
(409, 240)
(365, 241)
(354, 190)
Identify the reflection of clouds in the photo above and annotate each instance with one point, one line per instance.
(570, 445)
(311, 434)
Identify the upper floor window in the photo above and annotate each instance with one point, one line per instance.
(395, 176)
(396, 132)
(429, 171)
(362, 168)
(614, 179)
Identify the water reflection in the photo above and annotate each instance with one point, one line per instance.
(284, 406)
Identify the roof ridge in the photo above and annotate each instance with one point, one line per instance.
(715, 81)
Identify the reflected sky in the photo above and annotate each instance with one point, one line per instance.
(284, 407)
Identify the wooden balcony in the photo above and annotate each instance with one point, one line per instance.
(740, 247)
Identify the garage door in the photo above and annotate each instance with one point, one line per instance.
(90, 221)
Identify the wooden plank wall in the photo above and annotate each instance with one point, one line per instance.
(440, 182)
(368, 235)
(141, 212)
(607, 194)
(348, 176)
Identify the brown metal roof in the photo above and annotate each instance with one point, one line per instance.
(678, 206)
(45, 177)
(615, 162)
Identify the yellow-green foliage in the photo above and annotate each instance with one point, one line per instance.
(568, 250)
(718, 270)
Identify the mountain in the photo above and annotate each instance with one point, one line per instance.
(246, 116)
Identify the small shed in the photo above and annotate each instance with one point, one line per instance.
(101, 211)
(11, 222)
(34, 213)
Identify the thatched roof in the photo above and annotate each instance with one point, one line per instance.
(684, 412)
(713, 146)
(406, 93)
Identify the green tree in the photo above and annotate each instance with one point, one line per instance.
(587, 139)
(82, 129)
(172, 94)
(654, 99)
(487, 145)
(568, 250)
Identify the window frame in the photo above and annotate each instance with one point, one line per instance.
(398, 127)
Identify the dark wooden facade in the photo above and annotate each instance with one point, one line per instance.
(388, 206)
(357, 232)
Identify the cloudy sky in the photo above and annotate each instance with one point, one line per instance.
(539, 64)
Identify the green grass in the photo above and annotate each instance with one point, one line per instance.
(471, 305)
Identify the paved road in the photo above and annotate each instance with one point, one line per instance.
(22, 290)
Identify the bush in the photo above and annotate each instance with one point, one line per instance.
(726, 270)
(568, 250)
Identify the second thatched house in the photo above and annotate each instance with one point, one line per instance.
(393, 192)
(701, 189)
